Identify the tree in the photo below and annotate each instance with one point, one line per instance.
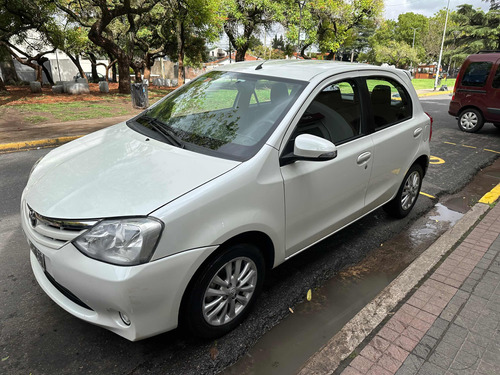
(24, 22)
(474, 31)
(99, 17)
(327, 23)
(251, 16)
(395, 53)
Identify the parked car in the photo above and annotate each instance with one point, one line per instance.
(176, 216)
(89, 76)
(476, 96)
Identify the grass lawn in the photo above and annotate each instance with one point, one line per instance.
(422, 83)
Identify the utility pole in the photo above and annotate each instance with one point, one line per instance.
(442, 45)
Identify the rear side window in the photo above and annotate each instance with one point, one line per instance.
(476, 74)
(390, 102)
(496, 79)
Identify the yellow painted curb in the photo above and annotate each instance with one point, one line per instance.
(491, 196)
(15, 146)
(435, 93)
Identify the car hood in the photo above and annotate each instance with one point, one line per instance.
(116, 172)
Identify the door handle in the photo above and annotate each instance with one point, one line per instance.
(364, 157)
(417, 132)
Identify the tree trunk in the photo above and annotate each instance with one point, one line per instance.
(7, 66)
(2, 85)
(124, 73)
(76, 60)
(241, 52)
(147, 66)
(93, 61)
(113, 73)
(41, 63)
(180, 51)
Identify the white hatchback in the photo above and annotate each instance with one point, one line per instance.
(176, 215)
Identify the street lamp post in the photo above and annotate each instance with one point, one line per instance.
(442, 45)
(301, 5)
(413, 46)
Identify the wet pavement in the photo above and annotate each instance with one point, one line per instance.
(285, 348)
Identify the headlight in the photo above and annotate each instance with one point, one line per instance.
(125, 242)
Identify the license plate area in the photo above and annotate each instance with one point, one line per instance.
(39, 256)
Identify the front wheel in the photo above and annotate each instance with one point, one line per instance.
(407, 194)
(470, 120)
(224, 292)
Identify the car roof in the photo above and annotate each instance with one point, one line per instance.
(304, 70)
(482, 56)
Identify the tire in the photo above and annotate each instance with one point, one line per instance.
(211, 308)
(470, 120)
(407, 194)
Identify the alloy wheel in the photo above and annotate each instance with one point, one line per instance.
(229, 291)
(410, 190)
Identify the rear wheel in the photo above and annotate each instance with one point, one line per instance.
(470, 120)
(225, 291)
(407, 194)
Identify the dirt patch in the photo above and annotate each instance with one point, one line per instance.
(21, 109)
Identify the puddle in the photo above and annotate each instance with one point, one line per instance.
(285, 348)
(443, 215)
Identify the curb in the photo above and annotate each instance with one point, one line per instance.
(40, 143)
(435, 93)
(340, 346)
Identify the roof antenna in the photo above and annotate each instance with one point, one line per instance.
(260, 65)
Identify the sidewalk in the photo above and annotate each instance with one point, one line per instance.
(448, 324)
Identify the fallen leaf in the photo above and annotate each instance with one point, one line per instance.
(290, 310)
(309, 295)
(6, 358)
(214, 352)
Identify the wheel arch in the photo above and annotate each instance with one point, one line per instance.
(423, 160)
(469, 106)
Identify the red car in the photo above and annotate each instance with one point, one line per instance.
(476, 96)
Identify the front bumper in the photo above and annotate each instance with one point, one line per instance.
(149, 294)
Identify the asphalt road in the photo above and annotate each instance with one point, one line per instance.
(38, 337)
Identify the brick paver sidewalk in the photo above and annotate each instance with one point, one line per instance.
(451, 323)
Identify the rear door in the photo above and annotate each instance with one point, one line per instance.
(397, 133)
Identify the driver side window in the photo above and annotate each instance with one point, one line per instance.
(334, 114)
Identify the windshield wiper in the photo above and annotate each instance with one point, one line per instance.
(163, 129)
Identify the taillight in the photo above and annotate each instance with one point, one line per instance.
(455, 87)
(432, 120)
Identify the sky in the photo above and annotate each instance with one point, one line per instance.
(393, 8)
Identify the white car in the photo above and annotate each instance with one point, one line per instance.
(175, 216)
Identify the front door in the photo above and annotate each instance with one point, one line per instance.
(323, 196)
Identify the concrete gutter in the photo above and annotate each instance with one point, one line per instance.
(340, 346)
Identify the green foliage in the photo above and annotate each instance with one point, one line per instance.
(395, 53)
(474, 31)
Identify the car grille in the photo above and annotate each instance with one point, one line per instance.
(52, 233)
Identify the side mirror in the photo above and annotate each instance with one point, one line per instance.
(312, 148)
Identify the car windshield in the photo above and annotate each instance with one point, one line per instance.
(224, 114)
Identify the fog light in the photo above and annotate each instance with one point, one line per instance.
(125, 318)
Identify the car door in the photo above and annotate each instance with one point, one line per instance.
(493, 103)
(397, 133)
(323, 196)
